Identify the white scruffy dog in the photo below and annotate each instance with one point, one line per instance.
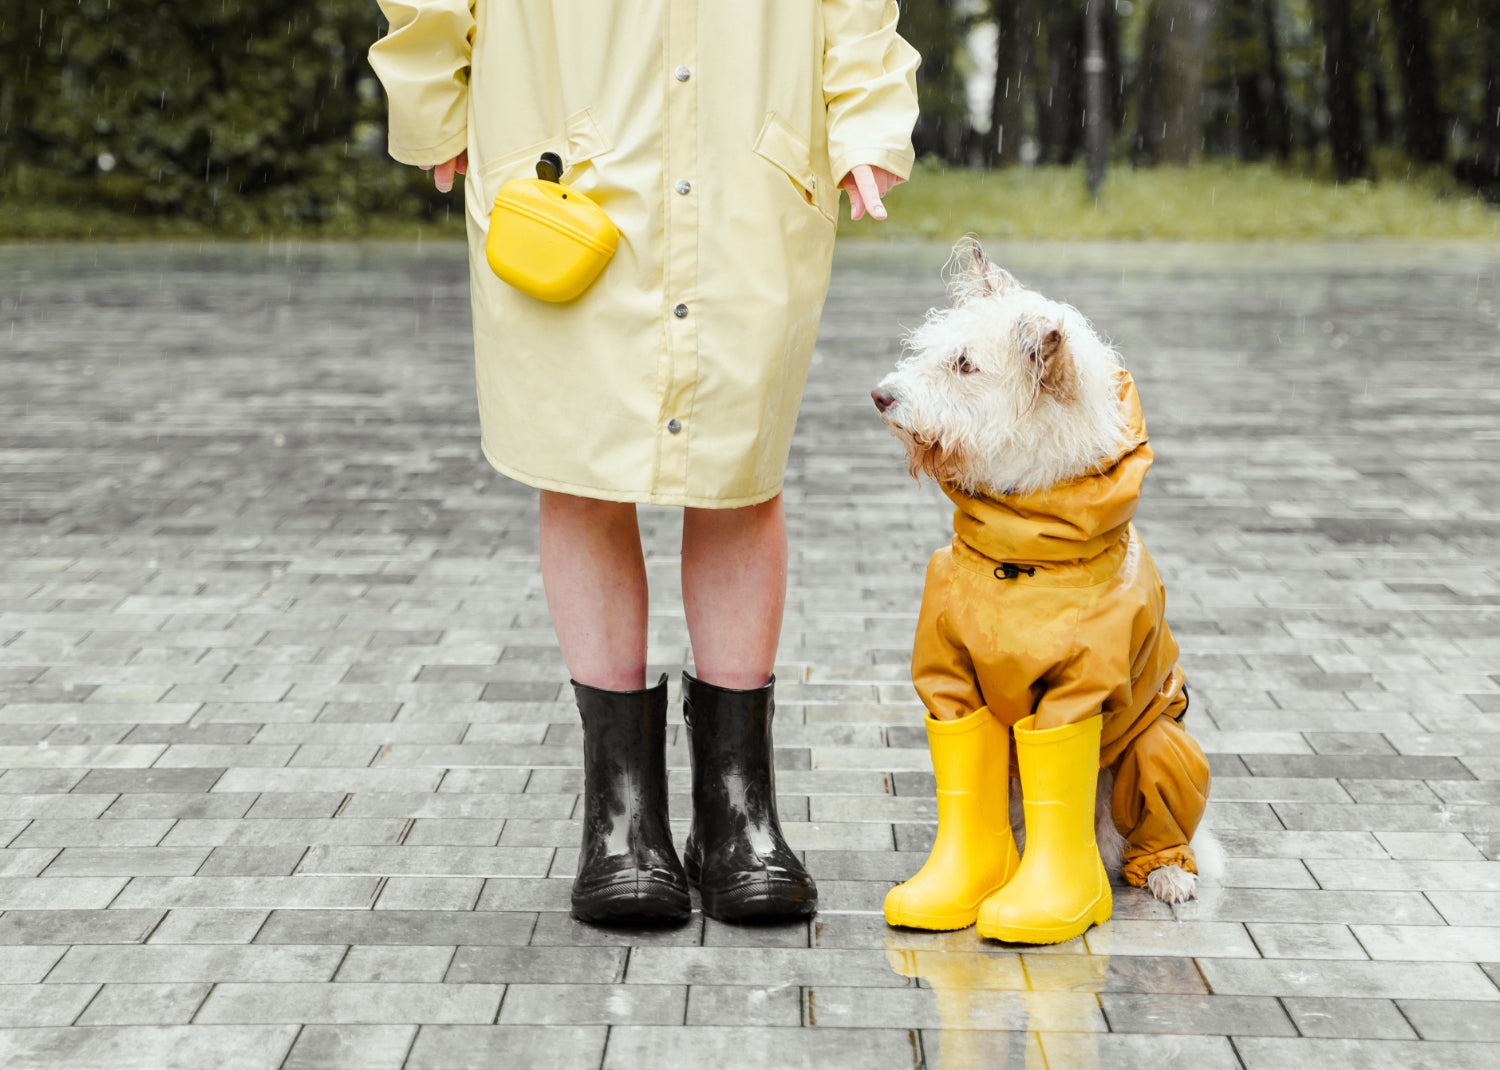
(981, 404)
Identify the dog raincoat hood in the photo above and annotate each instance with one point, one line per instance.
(1069, 522)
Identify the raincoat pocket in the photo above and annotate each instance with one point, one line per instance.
(782, 146)
(580, 142)
(547, 238)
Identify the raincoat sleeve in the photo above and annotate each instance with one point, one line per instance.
(869, 86)
(941, 669)
(423, 62)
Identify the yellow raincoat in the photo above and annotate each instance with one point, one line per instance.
(1048, 603)
(713, 134)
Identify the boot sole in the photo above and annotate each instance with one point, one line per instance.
(648, 902)
(942, 923)
(762, 899)
(1022, 935)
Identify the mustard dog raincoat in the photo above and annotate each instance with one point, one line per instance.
(1048, 603)
(713, 134)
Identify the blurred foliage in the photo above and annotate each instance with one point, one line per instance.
(1217, 200)
(237, 115)
(123, 118)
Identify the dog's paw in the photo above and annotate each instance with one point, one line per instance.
(1172, 884)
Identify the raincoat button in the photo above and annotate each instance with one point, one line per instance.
(684, 186)
(682, 74)
(680, 311)
(674, 425)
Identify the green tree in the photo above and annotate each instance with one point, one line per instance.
(240, 113)
(936, 29)
(1423, 133)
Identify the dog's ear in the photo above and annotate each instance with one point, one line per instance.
(972, 275)
(1044, 342)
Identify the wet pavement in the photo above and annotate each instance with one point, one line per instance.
(290, 774)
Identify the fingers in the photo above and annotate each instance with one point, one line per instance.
(856, 203)
(869, 191)
(443, 173)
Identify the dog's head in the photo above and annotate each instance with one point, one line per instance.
(1005, 392)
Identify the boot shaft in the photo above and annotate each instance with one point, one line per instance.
(624, 748)
(729, 734)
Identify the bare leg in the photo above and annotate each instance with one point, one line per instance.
(734, 590)
(595, 577)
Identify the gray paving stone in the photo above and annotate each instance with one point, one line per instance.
(585, 1004)
(954, 1006)
(416, 927)
(476, 1047)
(742, 1005)
(1124, 1050)
(136, 1003)
(1226, 1015)
(538, 965)
(341, 691)
(126, 861)
(350, 1047)
(1261, 1053)
(60, 893)
(355, 1003)
(1321, 977)
(1374, 1019)
(178, 963)
(26, 965)
(146, 1047)
(555, 928)
(207, 925)
(34, 927)
(306, 892)
(396, 964)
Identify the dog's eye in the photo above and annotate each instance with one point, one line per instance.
(963, 365)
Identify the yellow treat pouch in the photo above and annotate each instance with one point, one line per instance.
(547, 239)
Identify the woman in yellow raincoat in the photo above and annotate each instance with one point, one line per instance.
(716, 136)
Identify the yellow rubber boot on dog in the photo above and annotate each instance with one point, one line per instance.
(1061, 888)
(974, 853)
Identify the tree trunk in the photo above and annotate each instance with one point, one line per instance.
(1244, 53)
(1278, 113)
(1013, 46)
(1346, 134)
(1423, 131)
(1380, 97)
(1174, 55)
(1063, 128)
(935, 30)
(1095, 110)
(1485, 170)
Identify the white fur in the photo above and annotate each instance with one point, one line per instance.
(1012, 435)
(1170, 884)
(1023, 415)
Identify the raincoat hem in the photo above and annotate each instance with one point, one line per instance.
(644, 497)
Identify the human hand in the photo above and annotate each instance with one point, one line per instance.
(443, 174)
(866, 184)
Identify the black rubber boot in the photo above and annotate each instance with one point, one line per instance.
(735, 853)
(628, 869)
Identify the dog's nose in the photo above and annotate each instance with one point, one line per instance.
(883, 400)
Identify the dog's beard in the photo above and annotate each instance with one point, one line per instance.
(941, 460)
